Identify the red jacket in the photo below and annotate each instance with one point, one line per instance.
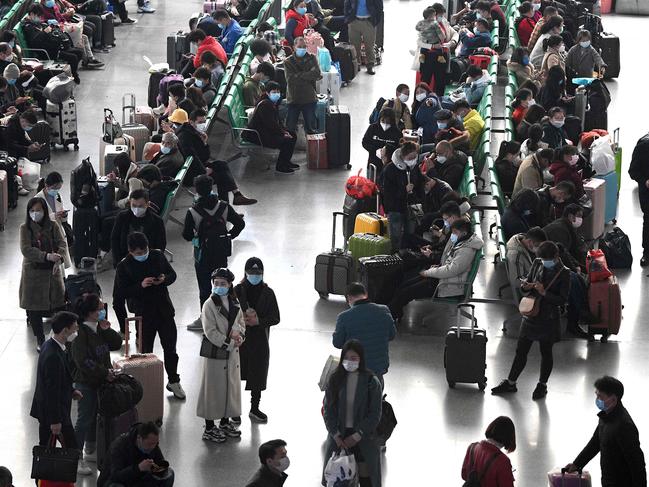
(519, 114)
(210, 44)
(302, 24)
(499, 473)
(562, 171)
(525, 29)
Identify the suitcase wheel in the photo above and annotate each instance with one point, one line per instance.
(604, 338)
(348, 166)
(482, 385)
(451, 384)
(323, 295)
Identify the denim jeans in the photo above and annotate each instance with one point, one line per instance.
(396, 222)
(577, 298)
(86, 427)
(308, 113)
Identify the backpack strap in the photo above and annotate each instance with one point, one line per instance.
(489, 464)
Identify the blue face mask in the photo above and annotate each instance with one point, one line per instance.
(141, 258)
(548, 264)
(144, 450)
(53, 192)
(165, 150)
(50, 3)
(300, 51)
(254, 279)
(476, 31)
(28, 128)
(478, 15)
(442, 125)
(12, 44)
(274, 97)
(301, 10)
(447, 224)
(601, 405)
(11, 81)
(453, 238)
(102, 315)
(526, 60)
(198, 83)
(220, 290)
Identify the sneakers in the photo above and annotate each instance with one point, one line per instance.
(370, 71)
(129, 21)
(215, 435)
(177, 389)
(196, 325)
(284, 170)
(240, 199)
(83, 468)
(230, 430)
(258, 416)
(575, 330)
(146, 8)
(540, 391)
(293, 165)
(93, 63)
(22, 191)
(236, 420)
(504, 387)
(90, 457)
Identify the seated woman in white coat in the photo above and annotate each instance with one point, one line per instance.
(224, 330)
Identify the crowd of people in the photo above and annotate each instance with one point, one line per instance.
(417, 153)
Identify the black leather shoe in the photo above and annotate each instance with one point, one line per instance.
(540, 392)
(370, 71)
(644, 262)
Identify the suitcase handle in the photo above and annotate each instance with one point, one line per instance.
(616, 137)
(130, 107)
(375, 174)
(333, 231)
(127, 335)
(459, 316)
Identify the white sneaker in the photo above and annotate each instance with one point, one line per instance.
(22, 191)
(196, 325)
(177, 389)
(83, 468)
(90, 457)
(145, 9)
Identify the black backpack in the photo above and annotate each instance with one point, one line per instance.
(617, 249)
(213, 240)
(474, 479)
(84, 190)
(374, 116)
(77, 285)
(118, 396)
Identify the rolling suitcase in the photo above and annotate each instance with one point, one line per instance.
(465, 353)
(85, 226)
(148, 369)
(329, 85)
(154, 89)
(353, 207)
(42, 133)
(144, 115)
(369, 245)
(632, 7)
(605, 302)
(10, 166)
(177, 47)
(345, 55)
(581, 103)
(334, 270)
(381, 275)
(4, 199)
(610, 210)
(316, 151)
(593, 226)
(609, 45)
(618, 158)
(213, 6)
(140, 133)
(371, 223)
(339, 136)
(107, 29)
(108, 429)
(321, 114)
(62, 118)
(107, 164)
(106, 205)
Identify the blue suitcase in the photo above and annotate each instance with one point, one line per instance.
(610, 213)
(321, 114)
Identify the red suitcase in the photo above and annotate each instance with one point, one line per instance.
(605, 301)
(4, 199)
(559, 478)
(148, 369)
(316, 151)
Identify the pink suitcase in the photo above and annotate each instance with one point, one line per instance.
(4, 199)
(557, 478)
(144, 115)
(605, 302)
(594, 223)
(148, 369)
(209, 7)
(316, 151)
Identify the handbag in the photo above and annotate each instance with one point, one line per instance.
(341, 470)
(56, 464)
(530, 306)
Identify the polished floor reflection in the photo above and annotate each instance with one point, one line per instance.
(287, 229)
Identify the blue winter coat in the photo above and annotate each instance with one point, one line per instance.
(230, 36)
(425, 118)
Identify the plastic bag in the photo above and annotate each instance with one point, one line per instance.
(360, 187)
(30, 172)
(313, 41)
(59, 88)
(596, 266)
(602, 157)
(324, 59)
(329, 368)
(341, 470)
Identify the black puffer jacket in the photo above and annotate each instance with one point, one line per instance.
(393, 182)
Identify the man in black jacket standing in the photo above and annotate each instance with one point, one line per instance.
(639, 172)
(615, 439)
(142, 278)
(54, 391)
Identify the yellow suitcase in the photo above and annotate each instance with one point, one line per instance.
(371, 223)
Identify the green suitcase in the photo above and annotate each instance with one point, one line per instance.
(369, 245)
(618, 158)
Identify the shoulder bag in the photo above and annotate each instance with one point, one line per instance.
(209, 350)
(531, 305)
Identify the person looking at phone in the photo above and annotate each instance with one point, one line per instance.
(17, 135)
(136, 460)
(49, 189)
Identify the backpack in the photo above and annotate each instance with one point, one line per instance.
(84, 190)
(165, 83)
(118, 396)
(213, 242)
(77, 285)
(474, 479)
(374, 116)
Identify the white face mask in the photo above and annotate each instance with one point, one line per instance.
(578, 221)
(420, 96)
(574, 160)
(562, 48)
(441, 159)
(385, 126)
(403, 97)
(350, 365)
(138, 212)
(201, 127)
(585, 44)
(36, 216)
(531, 103)
(410, 162)
(557, 123)
(72, 336)
(284, 463)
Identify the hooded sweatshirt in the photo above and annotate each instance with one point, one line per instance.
(212, 45)
(394, 178)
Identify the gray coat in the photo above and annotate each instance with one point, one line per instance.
(41, 284)
(581, 62)
(519, 262)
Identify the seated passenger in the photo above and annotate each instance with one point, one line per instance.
(565, 168)
(553, 94)
(554, 26)
(206, 22)
(124, 177)
(231, 31)
(195, 96)
(536, 33)
(523, 99)
(472, 89)
(206, 43)
(530, 172)
(552, 200)
(447, 164)
(268, 33)
(555, 55)
(521, 252)
(451, 129)
(525, 23)
(507, 164)
(157, 189)
(521, 214)
(490, 10)
(252, 87)
(422, 92)
(202, 80)
(519, 64)
(479, 37)
(472, 120)
(533, 142)
(398, 104)
(553, 132)
(533, 116)
(455, 264)
(169, 160)
(16, 138)
(248, 10)
(382, 136)
(296, 22)
(262, 52)
(215, 67)
(265, 120)
(424, 108)
(564, 231)
(583, 59)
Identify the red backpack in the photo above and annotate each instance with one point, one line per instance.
(360, 187)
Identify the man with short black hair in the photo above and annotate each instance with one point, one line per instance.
(252, 87)
(552, 200)
(230, 30)
(616, 439)
(6, 479)
(274, 462)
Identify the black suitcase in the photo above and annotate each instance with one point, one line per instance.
(380, 274)
(457, 66)
(107, 29)
(177, 47)
(465, 352)
(10, 165)
(599, 98)
(106, 199)
(334, 270)
(41, 133)
(154, 89)
(338, 125)
(108, 429)
(345, 54)
(85, 226)
(610, 51)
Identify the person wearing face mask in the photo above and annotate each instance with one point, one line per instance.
(566, 168)
(402, 184)
(507, 164)
(554, 133)
(124, 176)
(143, 278)
(530, 171)
(54, 389)
(549, 282)
(553, 199)
(211, 62)
(296, 22)
(17, 134)
(446, 164)
(400, 107)
(554, 26)
(169, 160)
(526, 22)
(202, 80)
(274, 463)
(362, 18)
(480, 36)
(269, 129)
(422, 94)
(472, 121)
(583, 59)
(224, 330)
(424, 109)
(446, 279)
(521, 214)
(555, 55)
(616, 439)
(231, 31)
(450, 128)
(302, 72)
(253, 86)
(206, 227)
(262, 52)
(523, 99)
(521, 252)
(519, 64)
(49, 189)
(92, 368)
(381, 139)
(533, 141)
(136, 460)
(548, 12)
(435, 42)
(6, 55)
(206, 43)
(42, 245)
(260, 312)
(352, 410)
